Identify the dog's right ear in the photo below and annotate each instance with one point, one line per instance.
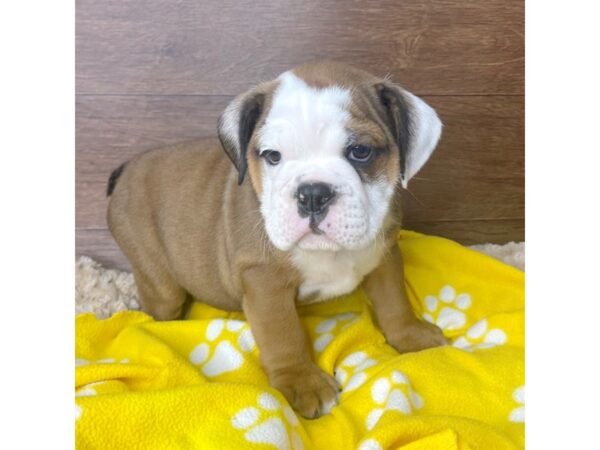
(237, 124)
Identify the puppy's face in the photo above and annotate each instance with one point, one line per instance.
(326, 146)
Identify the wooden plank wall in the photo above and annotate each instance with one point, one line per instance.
(152, 72)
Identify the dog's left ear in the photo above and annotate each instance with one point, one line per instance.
(414, 125)
(236, 126)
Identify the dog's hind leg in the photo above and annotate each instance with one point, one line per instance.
(159, 295)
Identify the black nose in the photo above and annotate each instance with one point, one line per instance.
(313, 198)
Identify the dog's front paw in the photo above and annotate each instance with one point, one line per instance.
(417, 336)
(309, 390)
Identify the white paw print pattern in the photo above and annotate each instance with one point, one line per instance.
(86, 391)
(370, 444)
(392, 393)
(351, 371)
(446, 310)
(325, 329)
(268, 423)
(479, 337)
(517, 415)
(224, 357)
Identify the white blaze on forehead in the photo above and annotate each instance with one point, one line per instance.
(310, 127)
(305, 121)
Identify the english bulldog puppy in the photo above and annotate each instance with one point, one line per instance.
(298, 203)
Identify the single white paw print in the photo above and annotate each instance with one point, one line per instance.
(88, 390)
(478, 337)
(224, 357)
(370, 444)
(351, 371)
(270, 423)
(392, 393)
(325, 329)
(518, 414)
(446, 310)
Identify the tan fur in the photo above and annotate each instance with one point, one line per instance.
(190, 231)
(366, 120)
(385, 287)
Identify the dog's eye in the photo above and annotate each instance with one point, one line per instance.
(271, 156)
(359, 153)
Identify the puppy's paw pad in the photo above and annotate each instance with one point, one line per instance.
(417, 336)
(308, 389)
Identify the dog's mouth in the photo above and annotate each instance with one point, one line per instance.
(317, 240)
(314, 218)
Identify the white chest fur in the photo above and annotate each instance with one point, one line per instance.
(327, 274)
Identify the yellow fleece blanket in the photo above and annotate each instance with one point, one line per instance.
(198, 383)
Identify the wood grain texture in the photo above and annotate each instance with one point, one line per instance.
(476, 172)
(471, 232)
(155, 72)
(100, 245)
(222, 47)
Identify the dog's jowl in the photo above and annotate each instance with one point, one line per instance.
(298, 201)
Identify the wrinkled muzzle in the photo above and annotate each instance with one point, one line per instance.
(322, 205)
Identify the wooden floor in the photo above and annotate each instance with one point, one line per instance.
(154, 72)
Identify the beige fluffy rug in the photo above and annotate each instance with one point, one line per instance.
(105, 291)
